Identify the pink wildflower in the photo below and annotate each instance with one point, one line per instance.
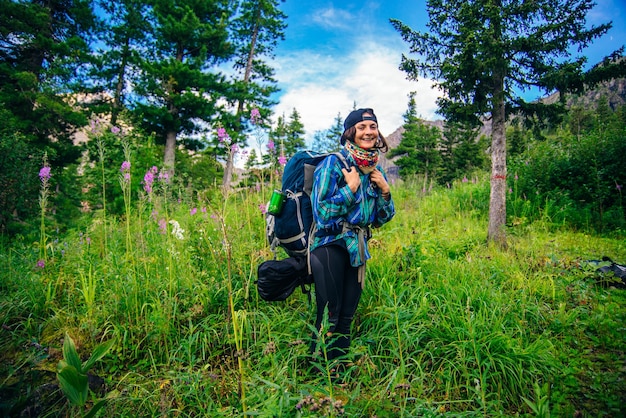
(263, 208)
(162, 226)
(222, 136)
(193, 211)
(41, 264)
(255, 115)
(270, 145)
(125, 166)
(282, 160)
(115, 130)
(44, 173)
(148, 179)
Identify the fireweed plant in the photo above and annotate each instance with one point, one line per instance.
(44, 176)
(101, 157)
(125, 182)
(237, 316)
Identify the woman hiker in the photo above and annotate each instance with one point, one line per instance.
(346, 203)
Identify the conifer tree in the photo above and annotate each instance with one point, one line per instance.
(179, 84)
(252, 161)
(294, 134)
(125, 28)
(287, 136)
(461, 151)
(277, 137)
(328, 140)
(483, 52)
(256, 30)
(43, 46)
(419, 146)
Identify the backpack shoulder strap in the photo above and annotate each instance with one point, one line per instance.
(309, 169)
(342, 159)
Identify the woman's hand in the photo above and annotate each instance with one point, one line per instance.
(379, 180)
(353, 179)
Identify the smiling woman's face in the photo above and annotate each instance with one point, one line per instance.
(366, 133)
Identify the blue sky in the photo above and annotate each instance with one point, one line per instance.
(337, 53)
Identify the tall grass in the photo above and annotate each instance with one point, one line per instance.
(446, 324)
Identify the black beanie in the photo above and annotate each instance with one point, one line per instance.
(356, 116)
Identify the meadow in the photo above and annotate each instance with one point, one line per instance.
(157, 312)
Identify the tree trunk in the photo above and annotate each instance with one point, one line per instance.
(169, 155)
(117, 98)
(497, 202)
(228, 171)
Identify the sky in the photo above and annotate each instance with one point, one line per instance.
(338, 53)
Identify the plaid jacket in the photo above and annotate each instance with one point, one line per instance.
(334, 204)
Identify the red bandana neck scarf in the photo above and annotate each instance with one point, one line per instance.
(365, 159)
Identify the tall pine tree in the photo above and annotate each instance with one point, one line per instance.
(256, 30)
(178, 81)
(482, 53)
(125, 28)
(43, 46)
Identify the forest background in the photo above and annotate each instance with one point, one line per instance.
(139, 236)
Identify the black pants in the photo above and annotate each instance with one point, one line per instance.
(336, 286)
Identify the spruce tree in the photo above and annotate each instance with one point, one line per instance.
(43, 48)
(294, 135)
(256, 30)
(124, 35)
(483, 53)
(179, 83)
(328, 140)
(419, 146)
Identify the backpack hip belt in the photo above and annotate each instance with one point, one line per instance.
(363, 233)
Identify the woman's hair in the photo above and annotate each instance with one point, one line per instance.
(348, 135)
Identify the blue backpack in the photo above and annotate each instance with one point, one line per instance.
(292, 227)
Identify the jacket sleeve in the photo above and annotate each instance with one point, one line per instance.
(385, 209)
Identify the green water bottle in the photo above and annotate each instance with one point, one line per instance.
(276, 203)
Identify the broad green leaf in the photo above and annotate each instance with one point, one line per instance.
(74, 384)
(69, 353)
(100, 351)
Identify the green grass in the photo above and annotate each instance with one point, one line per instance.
(447, 325)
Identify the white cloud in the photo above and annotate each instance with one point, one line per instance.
(319, 87)
(331, 18)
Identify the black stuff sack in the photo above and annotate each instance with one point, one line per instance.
(277, 279)
(613, 274)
